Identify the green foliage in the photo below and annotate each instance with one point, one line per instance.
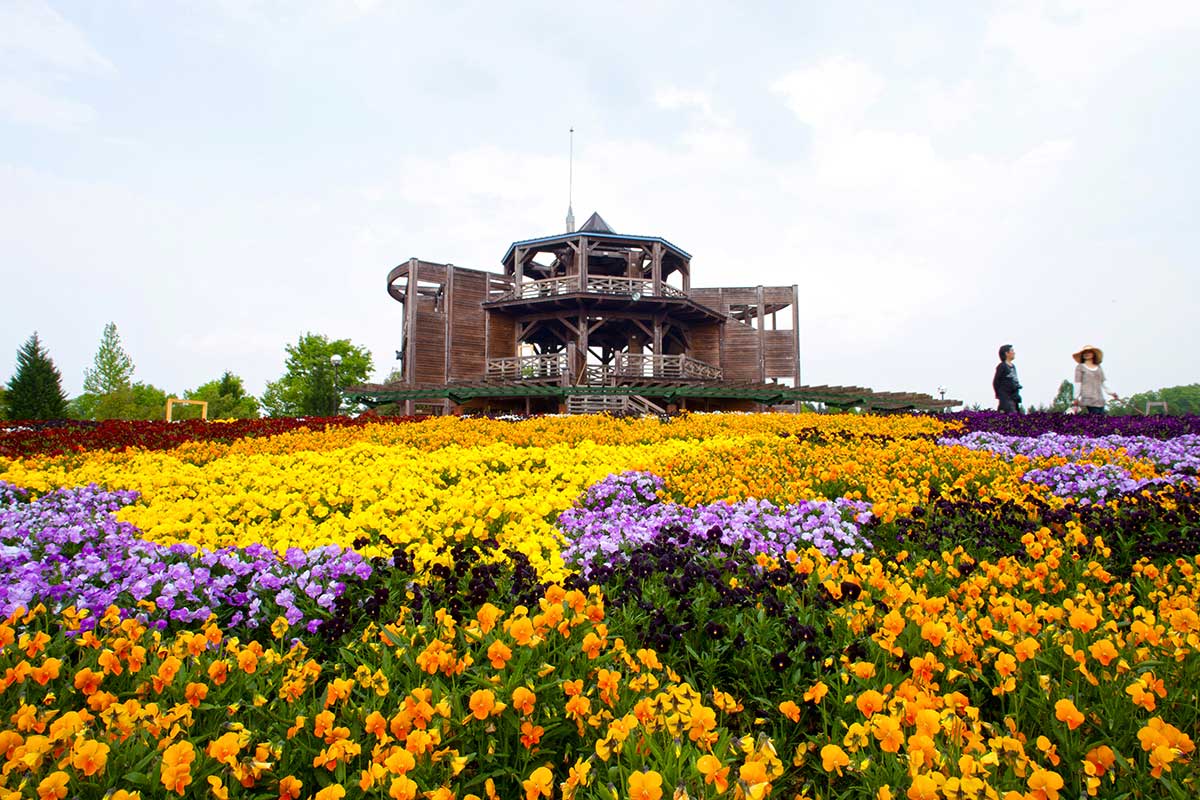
(3, 402)
(226, 398)
(112, 368)
(1064, 398)
(35, 391)
(134, 401)
(1179, 399)
(82, 406)
(307, 387)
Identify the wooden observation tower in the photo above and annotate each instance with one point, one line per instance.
(595, 320)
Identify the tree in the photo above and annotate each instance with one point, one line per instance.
(108, 388)
(1179, 399)
(35, 391)
(226, 398)
(1064, 398)
(307, 387)
(112, 368)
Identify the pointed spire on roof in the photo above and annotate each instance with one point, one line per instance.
(596, 224)
(571, 185)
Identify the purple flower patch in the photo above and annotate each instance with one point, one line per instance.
(68, 549)
(623, 512)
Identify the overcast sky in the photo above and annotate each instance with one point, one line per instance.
(939, 178)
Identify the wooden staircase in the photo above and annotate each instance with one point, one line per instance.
(626, 404)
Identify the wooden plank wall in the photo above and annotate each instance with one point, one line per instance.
(429, 328)
(706, 343)
(744, 352)
(500, 336)
(740, 351)
(466, 355)
(781, 353)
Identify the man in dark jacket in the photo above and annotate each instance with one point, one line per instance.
(1005, 383)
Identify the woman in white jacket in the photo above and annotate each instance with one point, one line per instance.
(1090, 386)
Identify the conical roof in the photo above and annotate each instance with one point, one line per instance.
(596, 224)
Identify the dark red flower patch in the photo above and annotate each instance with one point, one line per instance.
(23, 439)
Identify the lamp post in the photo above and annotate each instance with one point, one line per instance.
(336, 361)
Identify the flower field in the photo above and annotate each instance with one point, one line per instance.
(741, 606)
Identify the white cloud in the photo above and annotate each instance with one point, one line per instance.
(28, 106)
(34, 29)
(834, 93)
(1065, 42)
(673, 98)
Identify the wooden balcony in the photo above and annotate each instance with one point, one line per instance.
(595, 284)
(672, 368)
(528, 368)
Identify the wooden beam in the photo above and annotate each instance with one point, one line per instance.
(656, 268)
(567, 321)
(410, 317)
(582, 333)
(724, 309)
(796, 330)
(762, 337)
(526, 329)
(583, 262)
(448, 299)
(410, 344)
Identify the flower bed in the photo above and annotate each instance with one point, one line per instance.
(735, 606)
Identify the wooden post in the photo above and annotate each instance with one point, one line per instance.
(796, 332)
(410, 326)
(656, 260)
(583, 341)
(583, 266)
(518, 268)
(448, 311)
(762, 337)
(487, 326)
(721, 331)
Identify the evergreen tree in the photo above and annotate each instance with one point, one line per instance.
(35, 391)
(112, 368)
(108, 388)
(1064, 398)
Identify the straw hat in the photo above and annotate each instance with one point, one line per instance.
(1079, 356)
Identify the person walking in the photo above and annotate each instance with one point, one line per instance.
(1090, 385)
(1005, 383)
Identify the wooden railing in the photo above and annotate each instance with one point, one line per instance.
(527, 368)
(625, 366)
(596, 284)
(595, 375)
(637, 365)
